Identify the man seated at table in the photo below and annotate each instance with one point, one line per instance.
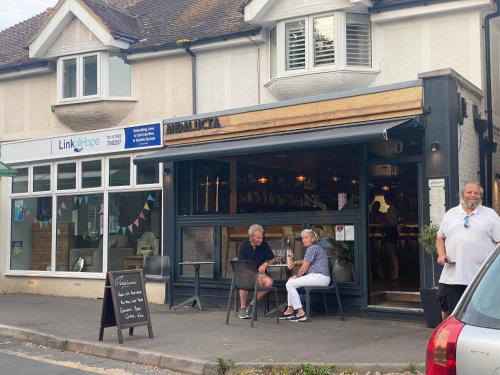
(258, 251)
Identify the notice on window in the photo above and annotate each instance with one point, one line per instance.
(349, 232)
(339, 233)
(437, 199)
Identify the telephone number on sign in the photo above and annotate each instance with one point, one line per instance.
(114, 142)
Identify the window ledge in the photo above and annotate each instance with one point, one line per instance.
(59, 274)
(305, 84)
(94, 113)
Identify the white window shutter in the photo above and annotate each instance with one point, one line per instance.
(358, 40)
(295, 45)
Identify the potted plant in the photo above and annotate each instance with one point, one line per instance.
(428, 296)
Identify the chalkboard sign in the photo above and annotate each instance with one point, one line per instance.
(125, 303)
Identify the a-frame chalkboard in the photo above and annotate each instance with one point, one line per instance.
(125, 303)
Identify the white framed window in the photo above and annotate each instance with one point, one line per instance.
(64, 211)
(91, 174)
(94, 75)
(336, 40)
(41, 178)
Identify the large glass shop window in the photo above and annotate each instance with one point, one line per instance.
(79, 236)
(134, 228)
(31, 234)
(321, 180)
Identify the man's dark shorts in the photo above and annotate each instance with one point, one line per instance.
(449, 295)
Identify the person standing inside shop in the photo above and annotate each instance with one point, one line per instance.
(258, 251)
(466, 237)
(391, 238)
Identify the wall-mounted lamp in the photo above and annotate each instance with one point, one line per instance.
(435, 146)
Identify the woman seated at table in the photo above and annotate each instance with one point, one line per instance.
(314, 271)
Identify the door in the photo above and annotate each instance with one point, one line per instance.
(394, 272)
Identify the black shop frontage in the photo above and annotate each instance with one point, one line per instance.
(339, 164)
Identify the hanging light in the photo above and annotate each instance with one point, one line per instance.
(354, 181)
(385, 187)
(335, 179)
(263, 180)
(301, 178)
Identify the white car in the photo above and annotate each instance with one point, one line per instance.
(468, 342)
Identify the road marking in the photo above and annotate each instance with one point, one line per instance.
(74, 365)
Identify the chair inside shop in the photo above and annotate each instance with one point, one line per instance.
(157, 268)
(245, 277)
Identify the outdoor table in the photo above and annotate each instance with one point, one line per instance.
(195, 299)
(288, 274)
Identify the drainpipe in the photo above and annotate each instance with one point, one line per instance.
(186, 44)
(489, 105)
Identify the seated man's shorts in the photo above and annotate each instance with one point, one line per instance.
(449, 295)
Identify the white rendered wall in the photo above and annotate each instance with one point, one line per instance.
(404, 48)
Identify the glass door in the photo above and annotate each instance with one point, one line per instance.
(394, 276)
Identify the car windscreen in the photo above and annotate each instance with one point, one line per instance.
(483, 307)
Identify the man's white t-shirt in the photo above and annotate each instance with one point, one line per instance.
(467, 247)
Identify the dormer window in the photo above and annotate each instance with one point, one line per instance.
(98, 75)
(336, 40)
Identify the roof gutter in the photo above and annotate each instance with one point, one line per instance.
(490, 145)
(192, 43)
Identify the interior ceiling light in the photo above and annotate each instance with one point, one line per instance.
(301, 178)
(386, 187)
(335, 179)
(262, 180)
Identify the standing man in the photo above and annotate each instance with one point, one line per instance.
(466, 236)
(258, 251)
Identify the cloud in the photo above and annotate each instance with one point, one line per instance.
(14, 11)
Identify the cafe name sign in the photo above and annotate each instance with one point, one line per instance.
(191, 125)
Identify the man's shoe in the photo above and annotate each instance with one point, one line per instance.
(285, 316)
(244, 314)
(249, 310)
(296, 318)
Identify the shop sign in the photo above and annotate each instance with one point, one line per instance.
(86, 143)
(191, 125)
(135, 137)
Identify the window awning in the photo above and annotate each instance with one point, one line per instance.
(6, 171)
(334, 135)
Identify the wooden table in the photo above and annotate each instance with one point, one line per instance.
(133, 262)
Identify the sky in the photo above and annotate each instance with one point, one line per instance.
(15, 11)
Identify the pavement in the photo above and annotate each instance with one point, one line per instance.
(190, 341)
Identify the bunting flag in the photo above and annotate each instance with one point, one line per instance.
(86, 198)
(63, 206)
(136, 222)
(101, 210)
(59, 212)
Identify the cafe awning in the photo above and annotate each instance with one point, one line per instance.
(6, 171)
(312, 138)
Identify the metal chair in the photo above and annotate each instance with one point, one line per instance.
(246, 277)
(157, 268)
(324, 290)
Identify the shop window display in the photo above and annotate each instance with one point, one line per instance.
(31, 234)
(134, 228)
(79, 232)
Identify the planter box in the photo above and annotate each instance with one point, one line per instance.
(432, 311)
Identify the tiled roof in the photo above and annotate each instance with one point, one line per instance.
(14, 42)
(149, 23)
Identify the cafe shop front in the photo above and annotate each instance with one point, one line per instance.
(318, 163)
